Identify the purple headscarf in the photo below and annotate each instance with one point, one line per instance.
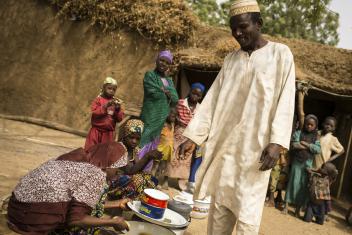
(165, 54)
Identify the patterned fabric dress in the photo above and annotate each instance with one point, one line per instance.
(319, 189)
(131, 186)
(63, 190)
(98, 211)
(53, 194)
(156, 105)
(179, 166)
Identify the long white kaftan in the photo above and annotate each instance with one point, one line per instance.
(249, 105)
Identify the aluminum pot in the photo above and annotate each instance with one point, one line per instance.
(180, 207)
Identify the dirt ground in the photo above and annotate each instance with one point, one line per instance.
(25, 146)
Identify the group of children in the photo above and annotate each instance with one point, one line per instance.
(308, 168)
(107, 111)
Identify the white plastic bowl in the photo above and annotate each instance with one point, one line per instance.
(200, 209)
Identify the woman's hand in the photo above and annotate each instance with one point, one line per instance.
(166, 92)
(123, 203)
(186, 147)
(119, 224)
(117, 203)
(154, 155)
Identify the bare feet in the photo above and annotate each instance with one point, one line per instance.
(182, 184)
(270, 203)
(297, 212)
(284, 211)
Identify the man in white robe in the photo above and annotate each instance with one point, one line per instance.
(246, 119)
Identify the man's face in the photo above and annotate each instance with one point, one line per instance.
(244, 30)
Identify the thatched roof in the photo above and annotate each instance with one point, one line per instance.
(163, 21)
(171, 22)
(326, 67)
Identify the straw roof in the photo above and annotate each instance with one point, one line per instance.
(162, 21)
(325, 67)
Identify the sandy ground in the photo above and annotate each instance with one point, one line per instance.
(25, 146)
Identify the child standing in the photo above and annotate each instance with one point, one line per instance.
(304, 145)
(166, 147)
(180, 165)
(319, 189)
(277, 180)
(106, 112)
(329, 144)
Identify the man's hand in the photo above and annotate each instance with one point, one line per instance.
(269, 157)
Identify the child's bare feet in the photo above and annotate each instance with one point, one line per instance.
(270, 203)
(297, 212)
(285, 208)
(284, 211)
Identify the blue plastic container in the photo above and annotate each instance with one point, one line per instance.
(151, 211)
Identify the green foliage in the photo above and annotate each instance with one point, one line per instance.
(307, 19)
(207, 10)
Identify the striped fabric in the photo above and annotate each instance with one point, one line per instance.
(184, 112)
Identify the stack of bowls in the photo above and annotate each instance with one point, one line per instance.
(153, 203)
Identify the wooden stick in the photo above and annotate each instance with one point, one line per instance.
(48, 124)
(348, 150)
(300, 108)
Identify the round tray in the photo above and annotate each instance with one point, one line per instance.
(171, 218)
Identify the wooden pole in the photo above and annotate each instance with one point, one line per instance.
(300, 108)
(348, 151)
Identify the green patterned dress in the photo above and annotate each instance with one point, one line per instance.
(156, 105)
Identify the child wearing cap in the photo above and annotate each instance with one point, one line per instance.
(106, 112)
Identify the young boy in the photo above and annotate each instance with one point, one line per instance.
(319, 189)
(329, 144)
(106, 112)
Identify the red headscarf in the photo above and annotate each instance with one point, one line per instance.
(100, 155)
